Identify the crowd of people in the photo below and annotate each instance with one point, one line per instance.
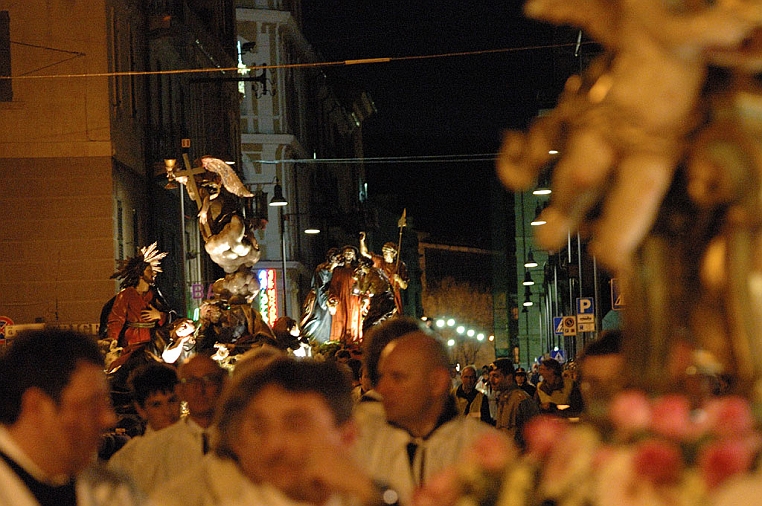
(370, 428)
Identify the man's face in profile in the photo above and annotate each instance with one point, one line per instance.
(76, 423)
(498, 380)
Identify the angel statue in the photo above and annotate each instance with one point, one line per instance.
(621, 126)
(230, 242)
(228, 235)
(228, 238)
(657, 163)
(660, 144)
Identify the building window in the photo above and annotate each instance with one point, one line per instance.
(6, 89)
(120, 230)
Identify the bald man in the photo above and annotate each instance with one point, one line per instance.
(423, 433)
(162, 455)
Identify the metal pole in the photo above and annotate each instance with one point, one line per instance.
(183, 247)
(526, 320)
(579, 268)
(541, 324)
(568, 265)
(596, 294)
(579, 263)
(569, 341)
(555, 296)
(283, 258)
(548, 319)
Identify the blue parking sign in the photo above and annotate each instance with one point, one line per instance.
(585, 305)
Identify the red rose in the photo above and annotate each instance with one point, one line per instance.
(672, 416)
(721, 460)
(729, 416)
(660, 462)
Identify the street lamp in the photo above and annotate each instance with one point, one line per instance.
(280, 202)
(531, 263)
(465, 341)
(528, 297)
(278, 199)
(538, 220)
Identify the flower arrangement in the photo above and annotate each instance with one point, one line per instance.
(653, 452)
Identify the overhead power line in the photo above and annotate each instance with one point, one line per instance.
(462, 158)
(362, 61)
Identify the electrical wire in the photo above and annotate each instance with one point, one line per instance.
(461, 158)
(362, 61)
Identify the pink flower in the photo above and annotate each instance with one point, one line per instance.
(603, 457)
(672, 416)
(542, 434)
(442, 489)
(491, 452)
(660, 462)
(630, 412)
(721, 460)
(729, 416)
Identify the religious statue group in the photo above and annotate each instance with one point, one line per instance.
(353, 290)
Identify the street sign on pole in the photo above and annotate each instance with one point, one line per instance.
(585, 314)
(558, 325)
(617, 298)
(570, 325)
(558, 355)
(585, 306)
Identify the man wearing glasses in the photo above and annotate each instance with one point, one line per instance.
(161, 455)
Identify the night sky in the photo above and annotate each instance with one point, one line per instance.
(454, 105)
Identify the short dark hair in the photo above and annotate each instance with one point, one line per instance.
(504, 365)
(609, 342)
(304, 376)
(356, 365)
(554, 365)
(390, 246)
(43, 359)
(151, 378)
(376, 339)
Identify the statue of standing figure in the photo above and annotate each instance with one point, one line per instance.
(392, 266)
(316, 318)
(375, 290)
(133, 317)
(344, 301)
